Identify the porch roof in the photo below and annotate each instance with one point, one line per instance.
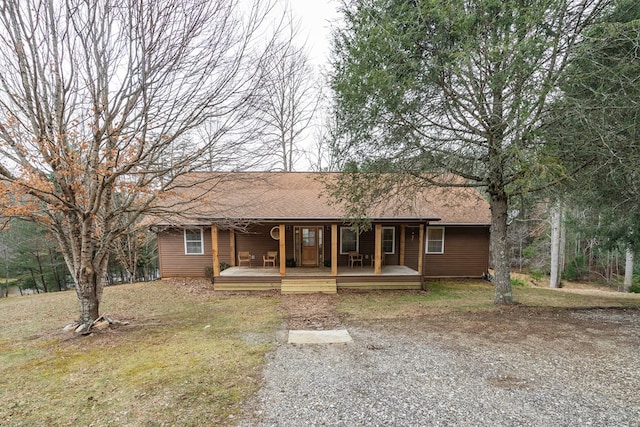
(302, 196)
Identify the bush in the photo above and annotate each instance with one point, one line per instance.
(517, 282)
(635, 284)
(208, 272)
(529, 252)
(576, 269)
(536, 275)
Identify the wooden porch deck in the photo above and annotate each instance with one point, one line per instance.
(258, 278)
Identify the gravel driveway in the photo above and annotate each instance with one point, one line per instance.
(517, 367)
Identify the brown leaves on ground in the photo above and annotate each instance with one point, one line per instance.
(311, 311)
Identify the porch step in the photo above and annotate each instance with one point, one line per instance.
(308, 286)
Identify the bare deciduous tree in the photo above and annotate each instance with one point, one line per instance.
(99, 105)
(290, 98)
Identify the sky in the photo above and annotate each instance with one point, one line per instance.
(315, 17)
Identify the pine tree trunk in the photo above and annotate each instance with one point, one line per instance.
(628, 268)
(554, 279)
(498, 243)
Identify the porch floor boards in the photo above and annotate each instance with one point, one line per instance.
(388, 270)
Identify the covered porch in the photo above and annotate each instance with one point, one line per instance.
(320, 246)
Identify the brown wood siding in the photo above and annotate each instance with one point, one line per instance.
(172, 258)
(466, 253)
(412, 247)
(224, 246)
(466, 250)
(258, 241)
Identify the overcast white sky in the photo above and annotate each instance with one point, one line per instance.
(315, 17)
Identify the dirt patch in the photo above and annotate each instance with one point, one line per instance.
(534, 331)
(312, 312)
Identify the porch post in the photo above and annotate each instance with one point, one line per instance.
(214, 250)
(403, 243)
(334, 249)
(283, 253)
(232, 247)
(421, 250)
(377, 269)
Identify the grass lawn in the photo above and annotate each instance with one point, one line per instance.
(189, 356)
(444, 296)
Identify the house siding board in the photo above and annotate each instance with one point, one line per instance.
(224, 246)
(466, 250)
(412, 247)
(466, 254)
(175, 263)
(258, 241)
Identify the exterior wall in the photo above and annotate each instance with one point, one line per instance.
(172, 258)
(257, 241)
(224, 247)
(466, 250)
(466, 253)
(412, 247)
(367, 244)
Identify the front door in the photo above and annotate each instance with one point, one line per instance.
(309, 250)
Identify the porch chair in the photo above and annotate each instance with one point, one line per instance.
(354, 258)
(244, 257)
(270, 258)
(373, 259)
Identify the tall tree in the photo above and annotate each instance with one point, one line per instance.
(597, 121)
(289, 98)
(34, 260)
(439, 87)
(99, 103)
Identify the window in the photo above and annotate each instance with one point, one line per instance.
(389, 240)
(348, 240)
(435, 240)
(193, 241)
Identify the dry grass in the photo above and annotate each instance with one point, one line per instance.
(189, 357)
(444, 296)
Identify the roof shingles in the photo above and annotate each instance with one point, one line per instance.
(263, 196)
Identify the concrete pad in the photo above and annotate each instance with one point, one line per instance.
(319, 337)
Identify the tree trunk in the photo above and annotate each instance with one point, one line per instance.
(498, 243)
(628, 268)
(88, 302)
(35, 282)
(554, 280)
(41, 274)
(89, 285)
(563, 241)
